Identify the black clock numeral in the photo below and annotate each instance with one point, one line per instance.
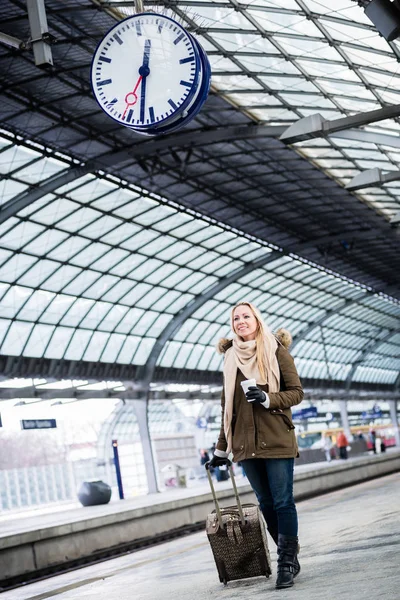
(104, 82)
(129, 117)
(186, 83)
(118, 39)
(151, 113)
(105, 59)
(172, 103)
(138, 28)
(186, 60)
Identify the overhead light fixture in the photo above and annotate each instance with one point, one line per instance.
(372, 178)
(385, 15)
(316, 126)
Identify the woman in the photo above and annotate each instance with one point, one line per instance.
(257, 426)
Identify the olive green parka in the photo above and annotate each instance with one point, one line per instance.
(258, 432)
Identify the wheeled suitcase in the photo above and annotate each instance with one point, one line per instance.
(237, 537)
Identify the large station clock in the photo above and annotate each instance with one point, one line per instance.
(148, 73)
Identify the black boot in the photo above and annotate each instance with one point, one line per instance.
(287, 569)
(274, 534)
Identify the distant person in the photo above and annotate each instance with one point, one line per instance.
(372, 439)
(342, 443)
(204, 456)
(360, 435)
(257, 425)
(327, 446)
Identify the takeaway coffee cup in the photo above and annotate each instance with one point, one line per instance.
(248, 383)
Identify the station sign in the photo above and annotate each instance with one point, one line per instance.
(38, 424)
(375, 413)
(305, 413)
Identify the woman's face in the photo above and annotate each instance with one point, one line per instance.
(245, 323)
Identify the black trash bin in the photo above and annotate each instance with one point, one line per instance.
(94, 492)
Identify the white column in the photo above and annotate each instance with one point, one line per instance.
(345, 419)
(393, 418)
(140, 407)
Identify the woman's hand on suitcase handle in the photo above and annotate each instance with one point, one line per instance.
(217, 461)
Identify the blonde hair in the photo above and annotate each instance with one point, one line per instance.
(264, 338)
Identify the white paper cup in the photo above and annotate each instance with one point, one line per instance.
(246, 384)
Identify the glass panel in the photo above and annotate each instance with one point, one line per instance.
(113, 257)
(101, 286)
(143, 350)
(115, 315)
(119, 291)
(58, 342)
(69, 248)
(77, 312)
(78, 344)
(39, 272)
(112, 348)
(128, 349)
(96, 346)
(13, 300)
(21, 234)
(55, 211)
(46, 242)
(94, 316)
(129, 320)
(15, 266)
(82, 282)
(36, 304)
(38, 340)
(90, 254)
(16, 338)
(79, 219)
(57, 308)
(121, 233)
(61, 277)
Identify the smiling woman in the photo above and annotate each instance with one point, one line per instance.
(257, 425)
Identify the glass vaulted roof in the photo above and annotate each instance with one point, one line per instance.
(278, 61)
(97, 269)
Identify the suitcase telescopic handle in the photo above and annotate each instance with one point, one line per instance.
(217, 508)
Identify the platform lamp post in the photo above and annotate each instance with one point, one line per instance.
(118, 469)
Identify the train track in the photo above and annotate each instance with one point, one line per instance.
(100, 556)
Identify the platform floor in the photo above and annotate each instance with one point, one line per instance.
(350, 544)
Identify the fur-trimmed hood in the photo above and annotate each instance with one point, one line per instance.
(283, 336)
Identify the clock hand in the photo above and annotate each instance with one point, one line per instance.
(144, 72)
(133, 96)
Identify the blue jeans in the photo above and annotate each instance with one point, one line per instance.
(272, 483)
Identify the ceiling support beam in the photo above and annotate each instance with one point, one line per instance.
(329, 313)
(316, 126)
(145, 373)
(369, 349)
(41, 38)
(109, 160)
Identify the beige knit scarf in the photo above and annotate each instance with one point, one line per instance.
(243, 355)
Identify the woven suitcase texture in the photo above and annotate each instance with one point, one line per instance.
(239, 551)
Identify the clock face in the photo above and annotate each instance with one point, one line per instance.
(146, 71)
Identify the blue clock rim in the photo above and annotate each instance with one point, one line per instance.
(192, 92)
(195, 109)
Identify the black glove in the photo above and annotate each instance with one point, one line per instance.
(217, 461)
(254, 394)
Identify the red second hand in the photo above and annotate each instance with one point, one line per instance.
(128, 104)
